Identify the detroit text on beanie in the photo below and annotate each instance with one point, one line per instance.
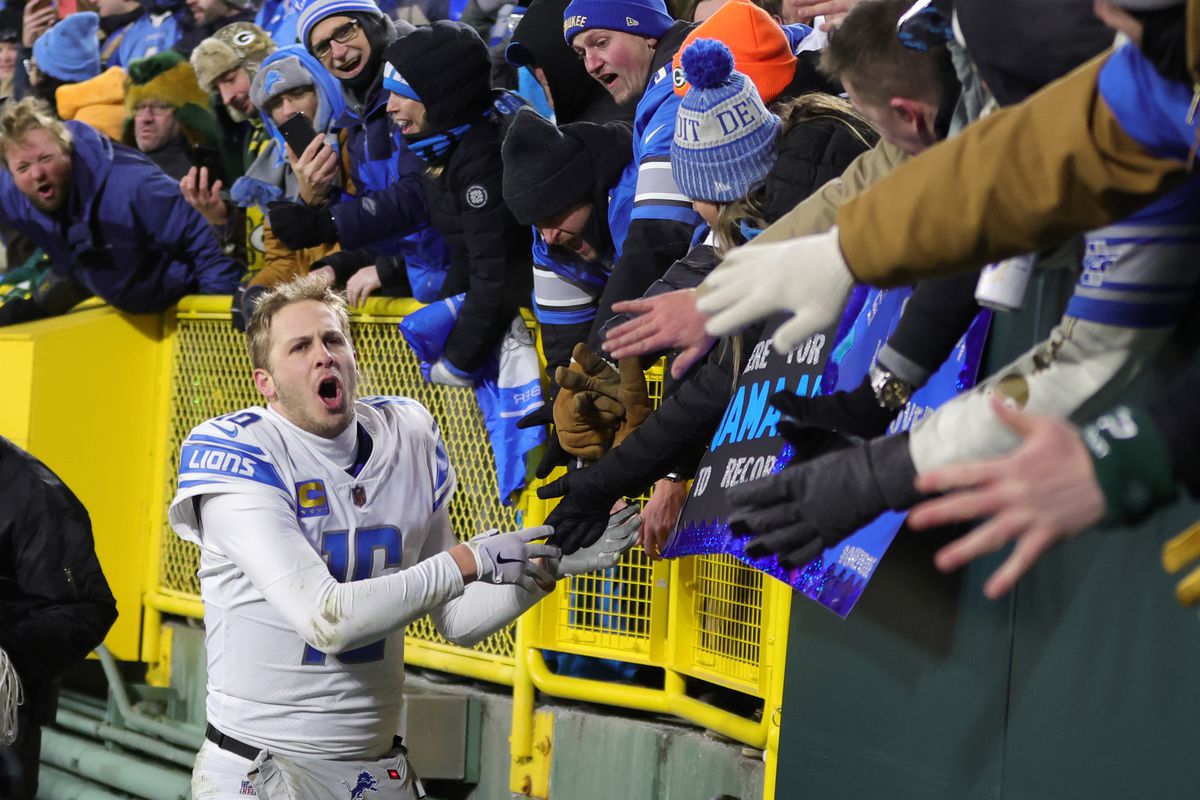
(284, 74)
(70, 51)
(646, 18)
(724, 136)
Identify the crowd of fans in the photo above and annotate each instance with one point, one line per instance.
(691, 181)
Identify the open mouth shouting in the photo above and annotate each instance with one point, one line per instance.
(350, 66)
(331, 394)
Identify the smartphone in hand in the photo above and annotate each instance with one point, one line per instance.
(203, 156)
(298, 132)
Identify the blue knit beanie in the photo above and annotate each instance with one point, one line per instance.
(70, 51)
(724, 136)
(316, 10)
(646, 18)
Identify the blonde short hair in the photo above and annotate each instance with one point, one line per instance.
(30, 114)
(258, 332)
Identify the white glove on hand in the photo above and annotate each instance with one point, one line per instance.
(440, 374)
(806, 276)
(504, 558)
(606, 551)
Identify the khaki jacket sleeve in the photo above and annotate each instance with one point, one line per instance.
(818, 212)
(1024, 179)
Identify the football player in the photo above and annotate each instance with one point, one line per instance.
(323, 530)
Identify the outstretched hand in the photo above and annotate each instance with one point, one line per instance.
(806, 277)
(832, 10)
(664, 322)
(1043, 492)
(506, 558)
(619, 535)
(581, 516)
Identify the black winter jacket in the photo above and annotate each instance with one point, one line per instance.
(55, 605)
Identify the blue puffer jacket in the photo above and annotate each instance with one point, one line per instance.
(128, 235)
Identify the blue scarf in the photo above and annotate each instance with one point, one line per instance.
(433, 149)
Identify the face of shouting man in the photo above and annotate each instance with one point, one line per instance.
(311, 373)
(341, 44)
(41, 168)
(619, 61)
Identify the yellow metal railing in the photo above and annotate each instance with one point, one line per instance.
(709, 619)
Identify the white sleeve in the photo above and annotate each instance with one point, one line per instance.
(260, 535)
(483, 608)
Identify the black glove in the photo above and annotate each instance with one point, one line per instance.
(853, 413)
(344, 263)
(582, 515)
(554, 456)
(299, 226)
(802, 511)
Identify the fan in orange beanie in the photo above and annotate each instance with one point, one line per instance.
(761, 50)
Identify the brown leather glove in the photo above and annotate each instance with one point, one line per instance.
(633, 398)
(586, 410)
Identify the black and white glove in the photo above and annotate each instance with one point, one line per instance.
(810, 507)
(581, 516)
(505, 558)
(605, 552)
(300, 226)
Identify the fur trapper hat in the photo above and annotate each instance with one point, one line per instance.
(242, 44)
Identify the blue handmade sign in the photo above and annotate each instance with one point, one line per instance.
(746, 445)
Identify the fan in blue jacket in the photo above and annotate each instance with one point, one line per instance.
(112, 223)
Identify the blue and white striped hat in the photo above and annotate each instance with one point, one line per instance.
(724, 136)
(316, 10)
(394, 82)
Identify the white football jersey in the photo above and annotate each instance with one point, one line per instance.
(267, 686)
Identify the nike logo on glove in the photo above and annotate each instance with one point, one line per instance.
(503, 560)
